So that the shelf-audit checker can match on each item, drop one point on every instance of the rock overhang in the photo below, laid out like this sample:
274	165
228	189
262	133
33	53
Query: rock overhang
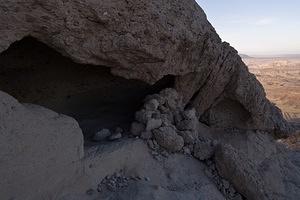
145	40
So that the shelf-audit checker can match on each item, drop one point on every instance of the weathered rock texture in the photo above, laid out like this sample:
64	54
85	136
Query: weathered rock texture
258	166
38	150
147	40
133	39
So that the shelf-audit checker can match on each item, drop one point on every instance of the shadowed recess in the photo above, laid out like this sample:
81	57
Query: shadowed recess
34	73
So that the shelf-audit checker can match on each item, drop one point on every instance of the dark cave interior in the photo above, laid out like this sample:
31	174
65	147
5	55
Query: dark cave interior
34	73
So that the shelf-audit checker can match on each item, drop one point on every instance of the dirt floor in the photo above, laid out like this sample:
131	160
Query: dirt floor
281	80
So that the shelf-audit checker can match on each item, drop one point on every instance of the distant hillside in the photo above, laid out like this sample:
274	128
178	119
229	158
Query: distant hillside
244	56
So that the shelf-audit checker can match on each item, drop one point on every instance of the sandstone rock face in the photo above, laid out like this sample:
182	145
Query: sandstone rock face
148	40
258	166
38	150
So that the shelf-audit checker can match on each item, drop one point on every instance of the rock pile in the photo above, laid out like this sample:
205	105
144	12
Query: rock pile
113	182
118	181
169	128
164	121
106	134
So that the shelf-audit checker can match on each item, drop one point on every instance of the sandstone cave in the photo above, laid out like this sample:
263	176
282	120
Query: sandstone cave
34	73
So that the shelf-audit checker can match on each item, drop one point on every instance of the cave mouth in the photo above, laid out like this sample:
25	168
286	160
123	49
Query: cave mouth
34	73
228	113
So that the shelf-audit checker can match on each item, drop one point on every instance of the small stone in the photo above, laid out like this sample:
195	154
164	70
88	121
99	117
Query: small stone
191	147
187	125
143	116
147	179
209	162
226	184
90	192
232	190
156	115
203	150
153	124
167	119
163	109
118	175
146	135
155	143
119	130
189	137
99	188
115	136
151	105
158	97
186	150
172	98
111	187
137	128
189	114
157	187
215	143
178	117
101	135
151	144
159	158
238	197
154	153
165	154
167	138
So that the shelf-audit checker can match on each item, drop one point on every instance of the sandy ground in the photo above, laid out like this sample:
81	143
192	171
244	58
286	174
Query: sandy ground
281	80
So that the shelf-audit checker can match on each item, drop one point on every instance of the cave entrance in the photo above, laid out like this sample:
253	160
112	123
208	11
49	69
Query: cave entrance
34	73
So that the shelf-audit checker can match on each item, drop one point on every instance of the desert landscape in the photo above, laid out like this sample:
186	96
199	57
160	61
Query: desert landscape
138	99
281	79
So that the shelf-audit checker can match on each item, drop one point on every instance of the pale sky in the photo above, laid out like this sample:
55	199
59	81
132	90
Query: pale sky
257	27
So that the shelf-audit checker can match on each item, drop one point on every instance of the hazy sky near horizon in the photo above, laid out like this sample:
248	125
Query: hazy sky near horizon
257	27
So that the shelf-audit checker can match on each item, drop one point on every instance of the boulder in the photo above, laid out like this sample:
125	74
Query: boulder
137	128
153	124
102	135
258	166
39	150
167	138
151	105
143	116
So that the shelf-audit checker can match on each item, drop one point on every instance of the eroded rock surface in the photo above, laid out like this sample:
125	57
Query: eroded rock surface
144	40
39	150
147	40
258	166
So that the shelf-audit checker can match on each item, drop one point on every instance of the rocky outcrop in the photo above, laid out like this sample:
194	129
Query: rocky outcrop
39	150
258	166
252	161
140	42
148	40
